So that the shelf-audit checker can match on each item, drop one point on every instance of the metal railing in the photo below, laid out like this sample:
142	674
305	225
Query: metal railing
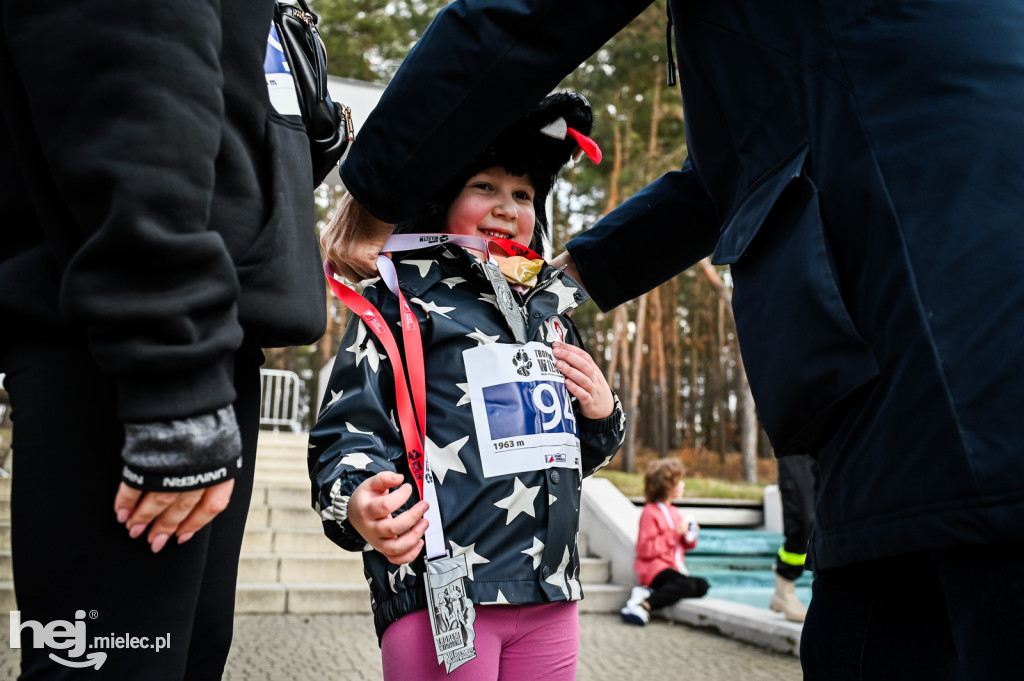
279	400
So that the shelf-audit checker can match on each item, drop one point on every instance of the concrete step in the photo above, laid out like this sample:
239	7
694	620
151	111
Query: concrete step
7	600
286	517
286	541
280	478
5	508
302	598
340	568
603	597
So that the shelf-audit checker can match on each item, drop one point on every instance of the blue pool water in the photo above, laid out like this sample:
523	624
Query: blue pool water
738	565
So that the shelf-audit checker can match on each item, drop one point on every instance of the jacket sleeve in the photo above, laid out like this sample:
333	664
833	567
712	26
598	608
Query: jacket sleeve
473	54
354	438
653	538
600	439
129	103
662	230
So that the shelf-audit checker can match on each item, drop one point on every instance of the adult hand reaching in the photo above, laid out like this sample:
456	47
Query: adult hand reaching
566	260
353	239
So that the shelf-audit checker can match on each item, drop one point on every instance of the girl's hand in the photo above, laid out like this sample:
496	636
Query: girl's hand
370	509
584	380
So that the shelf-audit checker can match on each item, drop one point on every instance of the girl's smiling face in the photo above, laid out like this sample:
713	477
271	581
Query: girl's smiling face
495	204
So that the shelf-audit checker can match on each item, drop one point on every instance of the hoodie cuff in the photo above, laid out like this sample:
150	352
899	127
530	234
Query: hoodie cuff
183	454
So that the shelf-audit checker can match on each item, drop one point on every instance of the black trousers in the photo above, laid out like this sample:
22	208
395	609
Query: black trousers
71	556
798	487
946	615
670	586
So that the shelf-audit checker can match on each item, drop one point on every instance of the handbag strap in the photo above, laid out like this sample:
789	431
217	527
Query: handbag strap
307	10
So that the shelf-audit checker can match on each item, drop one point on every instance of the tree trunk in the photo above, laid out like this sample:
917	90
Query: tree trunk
749	435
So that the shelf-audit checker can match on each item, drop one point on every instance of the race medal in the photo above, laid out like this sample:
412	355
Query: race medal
521	409
514	315
451	612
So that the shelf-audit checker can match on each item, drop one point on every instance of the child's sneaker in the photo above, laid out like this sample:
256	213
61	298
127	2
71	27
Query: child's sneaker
638	595
635	614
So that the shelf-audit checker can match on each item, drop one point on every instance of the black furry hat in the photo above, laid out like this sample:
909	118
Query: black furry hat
538	145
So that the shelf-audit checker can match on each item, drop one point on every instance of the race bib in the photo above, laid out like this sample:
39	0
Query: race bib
280	82
521	409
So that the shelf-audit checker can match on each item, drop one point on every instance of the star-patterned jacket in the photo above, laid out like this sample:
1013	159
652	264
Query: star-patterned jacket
518	532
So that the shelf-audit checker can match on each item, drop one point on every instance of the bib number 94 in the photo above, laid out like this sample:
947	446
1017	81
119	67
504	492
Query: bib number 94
528	408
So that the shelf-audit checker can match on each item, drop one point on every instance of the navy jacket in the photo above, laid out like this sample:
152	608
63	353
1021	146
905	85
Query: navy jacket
859	165
521	551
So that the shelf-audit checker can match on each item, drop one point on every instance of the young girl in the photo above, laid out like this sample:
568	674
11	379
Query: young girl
507	441
661	541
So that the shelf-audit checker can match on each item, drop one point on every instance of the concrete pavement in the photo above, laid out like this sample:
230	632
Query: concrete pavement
344	648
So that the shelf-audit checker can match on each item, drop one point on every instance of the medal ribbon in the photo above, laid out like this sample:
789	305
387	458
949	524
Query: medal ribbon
411	405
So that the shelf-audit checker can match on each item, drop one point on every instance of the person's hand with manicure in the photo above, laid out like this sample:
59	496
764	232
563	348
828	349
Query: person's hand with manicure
169	514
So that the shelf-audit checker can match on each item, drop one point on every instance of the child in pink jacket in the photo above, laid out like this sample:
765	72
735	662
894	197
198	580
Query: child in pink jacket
661	543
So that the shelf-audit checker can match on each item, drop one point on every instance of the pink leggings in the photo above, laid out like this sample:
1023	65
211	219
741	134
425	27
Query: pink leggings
513	642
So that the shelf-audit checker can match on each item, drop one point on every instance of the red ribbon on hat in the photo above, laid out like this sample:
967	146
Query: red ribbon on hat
588	145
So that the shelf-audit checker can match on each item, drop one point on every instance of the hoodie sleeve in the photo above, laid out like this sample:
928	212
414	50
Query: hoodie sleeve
130	114
665	228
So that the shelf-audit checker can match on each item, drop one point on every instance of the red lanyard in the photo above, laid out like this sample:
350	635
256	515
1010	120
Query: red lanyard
411	411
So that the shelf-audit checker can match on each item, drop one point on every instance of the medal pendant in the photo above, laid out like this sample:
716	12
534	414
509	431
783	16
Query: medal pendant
506	302
451	611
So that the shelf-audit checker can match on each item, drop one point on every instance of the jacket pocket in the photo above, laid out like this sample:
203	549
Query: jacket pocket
283	294
804	357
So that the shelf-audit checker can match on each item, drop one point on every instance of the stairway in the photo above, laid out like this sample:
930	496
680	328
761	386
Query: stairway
287	564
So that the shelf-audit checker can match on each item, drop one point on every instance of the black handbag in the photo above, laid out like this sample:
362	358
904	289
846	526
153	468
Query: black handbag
328	123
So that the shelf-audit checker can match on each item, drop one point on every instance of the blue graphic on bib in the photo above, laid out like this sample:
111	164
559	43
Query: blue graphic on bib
528	408
274	61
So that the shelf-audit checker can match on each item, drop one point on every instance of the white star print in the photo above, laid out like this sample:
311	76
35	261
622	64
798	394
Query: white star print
489	298
535	552
482	338
422	265
576	588
500	600
335	396
356	460
520	501
472	557
552	499
566	294
464	387
404	570
429	307
353	429
557	577
370	352
452	282
445	459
